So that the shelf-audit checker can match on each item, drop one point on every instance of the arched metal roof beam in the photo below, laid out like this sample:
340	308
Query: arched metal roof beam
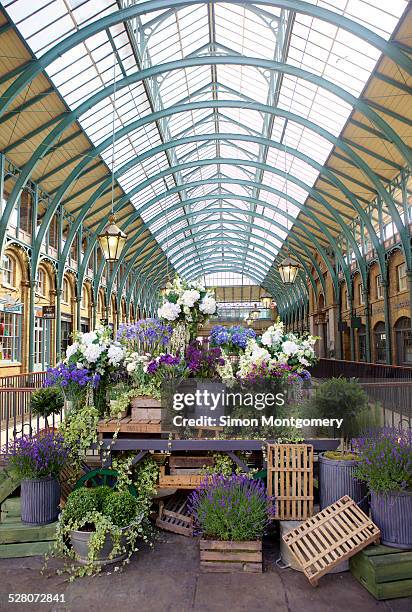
245	224
55	133
37	66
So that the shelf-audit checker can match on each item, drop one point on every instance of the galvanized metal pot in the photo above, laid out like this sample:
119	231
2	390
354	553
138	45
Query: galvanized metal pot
336	479
40	499
392	513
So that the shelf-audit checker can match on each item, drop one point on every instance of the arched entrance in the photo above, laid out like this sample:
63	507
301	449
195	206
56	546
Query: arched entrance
403	341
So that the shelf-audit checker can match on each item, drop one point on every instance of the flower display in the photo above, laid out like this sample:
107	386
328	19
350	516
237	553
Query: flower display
232	339
37	456
203	362
73	379
296	351
144	335
187	302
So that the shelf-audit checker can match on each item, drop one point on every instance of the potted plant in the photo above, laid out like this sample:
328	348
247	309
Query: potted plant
45	402
149	376
38	461
385	465
99	526
231	513
340	398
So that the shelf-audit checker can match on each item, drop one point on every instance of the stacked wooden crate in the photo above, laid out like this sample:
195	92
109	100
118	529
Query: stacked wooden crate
385	572
18	539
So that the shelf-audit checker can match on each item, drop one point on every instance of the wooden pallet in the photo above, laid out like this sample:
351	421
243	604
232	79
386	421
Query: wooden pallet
333	535
174	515
385	572
290	480
127	425
219	556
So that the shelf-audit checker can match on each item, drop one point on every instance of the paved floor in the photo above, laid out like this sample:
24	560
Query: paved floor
166	579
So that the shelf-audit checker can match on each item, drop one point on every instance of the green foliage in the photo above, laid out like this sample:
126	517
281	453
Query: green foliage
338	456
46	401
340	398
79	432
104	512
79	504
120	507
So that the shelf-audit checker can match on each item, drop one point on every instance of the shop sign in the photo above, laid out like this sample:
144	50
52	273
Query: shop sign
49	312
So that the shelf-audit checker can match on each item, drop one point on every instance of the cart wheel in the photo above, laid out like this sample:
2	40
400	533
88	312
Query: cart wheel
101	477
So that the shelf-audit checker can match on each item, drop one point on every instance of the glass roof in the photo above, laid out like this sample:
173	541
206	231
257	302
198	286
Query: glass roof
226	188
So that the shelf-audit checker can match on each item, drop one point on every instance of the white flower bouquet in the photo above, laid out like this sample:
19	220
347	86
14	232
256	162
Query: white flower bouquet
289	348
187	302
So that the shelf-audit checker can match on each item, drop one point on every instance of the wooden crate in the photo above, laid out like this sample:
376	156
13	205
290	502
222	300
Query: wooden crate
218	556
290	480
178	481
174	515
333	535
189	465
385	572
130	426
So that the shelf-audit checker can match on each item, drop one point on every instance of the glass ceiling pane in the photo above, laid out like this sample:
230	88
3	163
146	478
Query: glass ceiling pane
210	29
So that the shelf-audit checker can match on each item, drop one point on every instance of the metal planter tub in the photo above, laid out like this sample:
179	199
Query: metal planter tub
40	499
392	513
336	479
80	544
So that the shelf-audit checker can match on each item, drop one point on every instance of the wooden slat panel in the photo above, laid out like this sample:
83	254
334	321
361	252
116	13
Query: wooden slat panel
290	480
333	535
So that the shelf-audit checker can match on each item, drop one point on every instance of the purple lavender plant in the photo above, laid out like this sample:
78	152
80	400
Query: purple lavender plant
231	507
38	456
385	459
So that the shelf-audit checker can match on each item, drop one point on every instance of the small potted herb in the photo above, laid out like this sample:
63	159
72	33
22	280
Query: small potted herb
232	513
385	464
38	461
46	402
99	526
119	401
340	398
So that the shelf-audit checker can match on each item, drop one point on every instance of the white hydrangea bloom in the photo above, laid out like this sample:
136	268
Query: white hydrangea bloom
89	337
189	297
169	311
93	352
72	349
208	305
289	347
131	367
115	354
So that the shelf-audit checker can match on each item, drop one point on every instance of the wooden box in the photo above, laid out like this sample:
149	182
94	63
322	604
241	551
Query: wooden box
146	409
219	556
385	572
174	515
179	481
290	480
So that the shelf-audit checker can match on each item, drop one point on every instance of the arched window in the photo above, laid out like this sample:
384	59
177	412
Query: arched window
403	337
83	298
66	291
9	270
379	335
41	282
362	343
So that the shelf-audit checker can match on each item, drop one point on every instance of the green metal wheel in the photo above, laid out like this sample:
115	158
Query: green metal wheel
101	477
